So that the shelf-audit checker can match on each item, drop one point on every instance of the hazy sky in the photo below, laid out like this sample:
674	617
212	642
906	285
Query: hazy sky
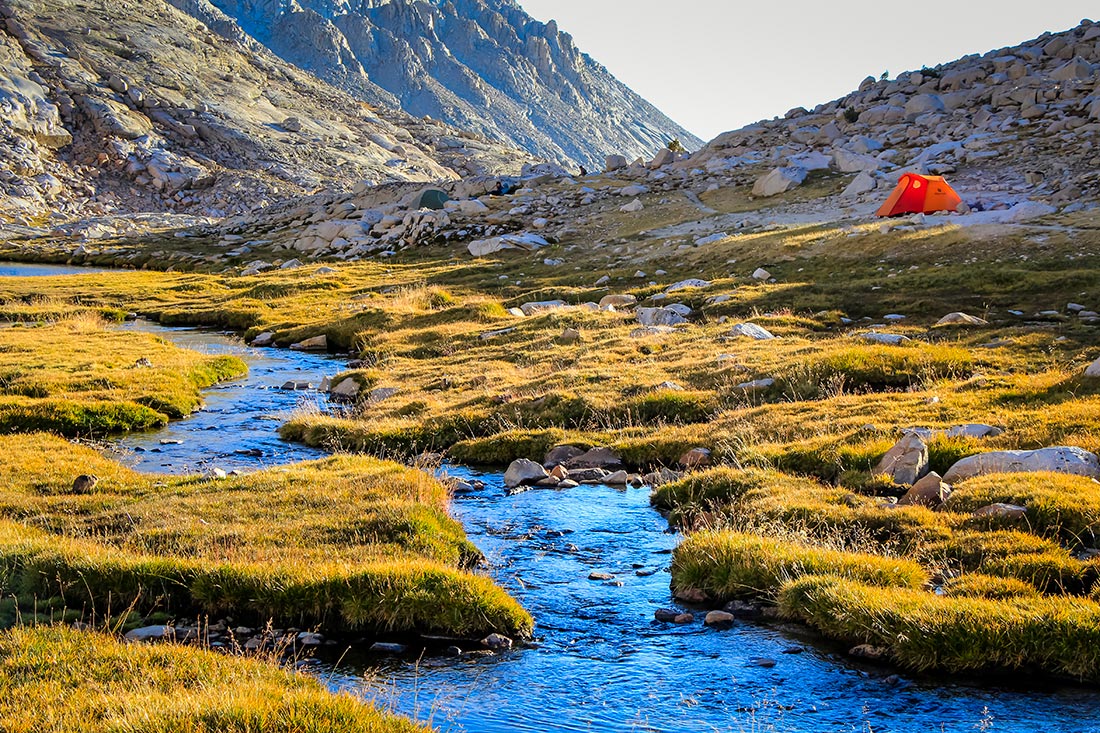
715	65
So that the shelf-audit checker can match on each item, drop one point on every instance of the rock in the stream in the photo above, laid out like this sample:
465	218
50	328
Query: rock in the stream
523	471
383	647
316	343
267	338
560	454
719	620
906	462
496	642
604	458
1059	459
149	633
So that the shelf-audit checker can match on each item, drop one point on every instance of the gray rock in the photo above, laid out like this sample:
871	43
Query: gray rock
523	471
778	181
659	317
316	343
561	454
1059	459
604	458
961	319
149	633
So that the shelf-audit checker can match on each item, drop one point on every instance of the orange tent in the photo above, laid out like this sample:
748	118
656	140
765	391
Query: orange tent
916	194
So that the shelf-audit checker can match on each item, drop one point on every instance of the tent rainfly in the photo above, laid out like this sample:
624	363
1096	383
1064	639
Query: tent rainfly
917	194
431	198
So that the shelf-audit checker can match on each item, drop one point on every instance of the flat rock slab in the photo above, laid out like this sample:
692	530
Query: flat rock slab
1059	459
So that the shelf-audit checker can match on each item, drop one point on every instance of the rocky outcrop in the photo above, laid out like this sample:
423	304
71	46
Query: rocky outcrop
482	65
1013	123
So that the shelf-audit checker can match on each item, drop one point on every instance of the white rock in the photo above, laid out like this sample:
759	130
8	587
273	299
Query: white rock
906	462
863	183
633	206
633	191
761	274
688	284
524	471
961	319
893	339
1060	459
751	330
659	317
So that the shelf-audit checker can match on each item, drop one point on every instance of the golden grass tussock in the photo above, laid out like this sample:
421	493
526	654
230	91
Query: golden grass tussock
56	679
1058	505
78	377
727	565
957	633
347	542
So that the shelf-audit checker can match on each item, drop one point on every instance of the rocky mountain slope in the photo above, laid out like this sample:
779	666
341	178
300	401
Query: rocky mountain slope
1013	122
115	107
483	65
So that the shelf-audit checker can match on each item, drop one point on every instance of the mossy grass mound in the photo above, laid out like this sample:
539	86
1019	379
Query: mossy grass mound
345	543
924	631
56	679
78	377
727	565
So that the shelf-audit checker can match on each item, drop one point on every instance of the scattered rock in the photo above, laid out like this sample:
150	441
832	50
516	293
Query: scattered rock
719	620
960	319
929	491
695	458
1002	511
778	181
496	642
316	343
906	462
523	471
751	330
1059	459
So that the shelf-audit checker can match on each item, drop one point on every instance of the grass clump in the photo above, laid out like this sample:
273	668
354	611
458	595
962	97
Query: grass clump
871	368
725	565
924	631
77	377
1058	505
61	680
977	585
346	543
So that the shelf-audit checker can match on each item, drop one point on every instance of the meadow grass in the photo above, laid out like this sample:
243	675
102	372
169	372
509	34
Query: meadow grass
726	565
80	377
957	633
345	543
794	460
57	679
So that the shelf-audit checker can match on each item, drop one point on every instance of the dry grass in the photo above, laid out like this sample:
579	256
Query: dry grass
78	377
54	679
348	543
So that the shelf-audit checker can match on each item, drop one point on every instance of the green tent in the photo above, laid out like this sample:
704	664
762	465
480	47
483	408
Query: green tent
431	198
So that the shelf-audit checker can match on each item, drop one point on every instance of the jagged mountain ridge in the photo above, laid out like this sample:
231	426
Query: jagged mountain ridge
113	107
483	65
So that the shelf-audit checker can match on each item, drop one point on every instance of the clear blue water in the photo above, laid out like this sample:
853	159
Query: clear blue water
20	269
600	663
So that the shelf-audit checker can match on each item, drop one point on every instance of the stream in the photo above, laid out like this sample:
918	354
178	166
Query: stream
599	662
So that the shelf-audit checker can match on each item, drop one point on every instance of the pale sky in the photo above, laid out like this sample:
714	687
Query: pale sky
716	65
